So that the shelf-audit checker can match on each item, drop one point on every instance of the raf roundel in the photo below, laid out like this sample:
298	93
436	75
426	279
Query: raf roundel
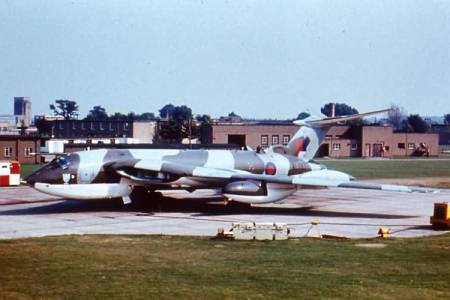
301	144
270	169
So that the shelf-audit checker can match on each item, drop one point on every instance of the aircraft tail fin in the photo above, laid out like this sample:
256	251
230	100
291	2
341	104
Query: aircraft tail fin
313	130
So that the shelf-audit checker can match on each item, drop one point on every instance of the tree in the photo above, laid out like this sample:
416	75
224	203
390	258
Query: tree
447	119
417	123
118	116
97	113
166	111
232	117
302	116
341	109
177	123
203	128
146	116
181	113
203	119
131	116
396	116
66	108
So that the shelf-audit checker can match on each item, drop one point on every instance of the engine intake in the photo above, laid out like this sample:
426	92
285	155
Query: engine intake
257	192
247	188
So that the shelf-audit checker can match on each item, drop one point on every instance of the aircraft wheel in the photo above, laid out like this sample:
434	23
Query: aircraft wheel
143	198
156	200
140	197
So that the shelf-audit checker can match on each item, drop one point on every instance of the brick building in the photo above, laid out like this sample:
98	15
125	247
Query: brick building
250	133
144	131
340	141
377	141
25	149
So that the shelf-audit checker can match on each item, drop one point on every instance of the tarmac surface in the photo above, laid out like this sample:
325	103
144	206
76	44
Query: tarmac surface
352	213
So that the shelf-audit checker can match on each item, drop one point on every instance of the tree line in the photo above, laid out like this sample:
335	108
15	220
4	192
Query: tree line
180	122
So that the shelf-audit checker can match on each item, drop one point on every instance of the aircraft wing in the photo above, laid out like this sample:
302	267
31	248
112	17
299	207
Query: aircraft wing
342	183
124	168
325	178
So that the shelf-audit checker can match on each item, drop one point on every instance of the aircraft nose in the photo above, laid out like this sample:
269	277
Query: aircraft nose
45	174
31	178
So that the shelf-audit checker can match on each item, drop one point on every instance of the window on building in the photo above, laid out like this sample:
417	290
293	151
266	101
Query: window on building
264	140
8	151
401	145
61	125
101	126
28	151
74	125
286	139
111	128
92	125
354	146
125	126
336	147
275	139
411	146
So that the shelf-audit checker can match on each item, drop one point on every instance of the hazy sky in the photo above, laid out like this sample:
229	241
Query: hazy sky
263	59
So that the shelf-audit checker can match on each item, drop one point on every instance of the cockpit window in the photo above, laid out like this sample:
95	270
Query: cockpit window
63	162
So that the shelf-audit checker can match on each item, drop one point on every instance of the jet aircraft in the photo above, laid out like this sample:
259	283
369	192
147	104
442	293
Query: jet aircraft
239	175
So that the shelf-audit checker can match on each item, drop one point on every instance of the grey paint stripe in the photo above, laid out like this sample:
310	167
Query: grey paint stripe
190	157
248	161
178	169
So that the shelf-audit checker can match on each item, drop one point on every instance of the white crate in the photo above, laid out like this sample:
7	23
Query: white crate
260	231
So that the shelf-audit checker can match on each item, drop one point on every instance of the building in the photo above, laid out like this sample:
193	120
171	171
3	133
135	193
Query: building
25	149
143	131
444	133
50	148
7	122
250	133
340	141
377	141
22	111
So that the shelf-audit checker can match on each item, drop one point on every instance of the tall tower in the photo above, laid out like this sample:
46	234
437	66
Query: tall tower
22	110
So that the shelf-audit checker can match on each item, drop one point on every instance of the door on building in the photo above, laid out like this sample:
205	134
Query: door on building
367	150
237	139
324	150
377	150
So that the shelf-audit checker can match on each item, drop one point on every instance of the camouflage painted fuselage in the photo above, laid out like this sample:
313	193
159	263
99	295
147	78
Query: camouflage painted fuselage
100	166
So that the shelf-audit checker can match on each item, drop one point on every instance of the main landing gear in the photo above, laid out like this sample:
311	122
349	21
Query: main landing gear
144	198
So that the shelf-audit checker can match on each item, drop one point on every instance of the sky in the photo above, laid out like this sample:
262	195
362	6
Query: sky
259	59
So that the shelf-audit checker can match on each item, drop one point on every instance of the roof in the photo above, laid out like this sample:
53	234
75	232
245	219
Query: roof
19	137
255	122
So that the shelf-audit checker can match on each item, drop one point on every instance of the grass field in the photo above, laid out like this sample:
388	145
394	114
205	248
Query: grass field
401	168
145	267
27	169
